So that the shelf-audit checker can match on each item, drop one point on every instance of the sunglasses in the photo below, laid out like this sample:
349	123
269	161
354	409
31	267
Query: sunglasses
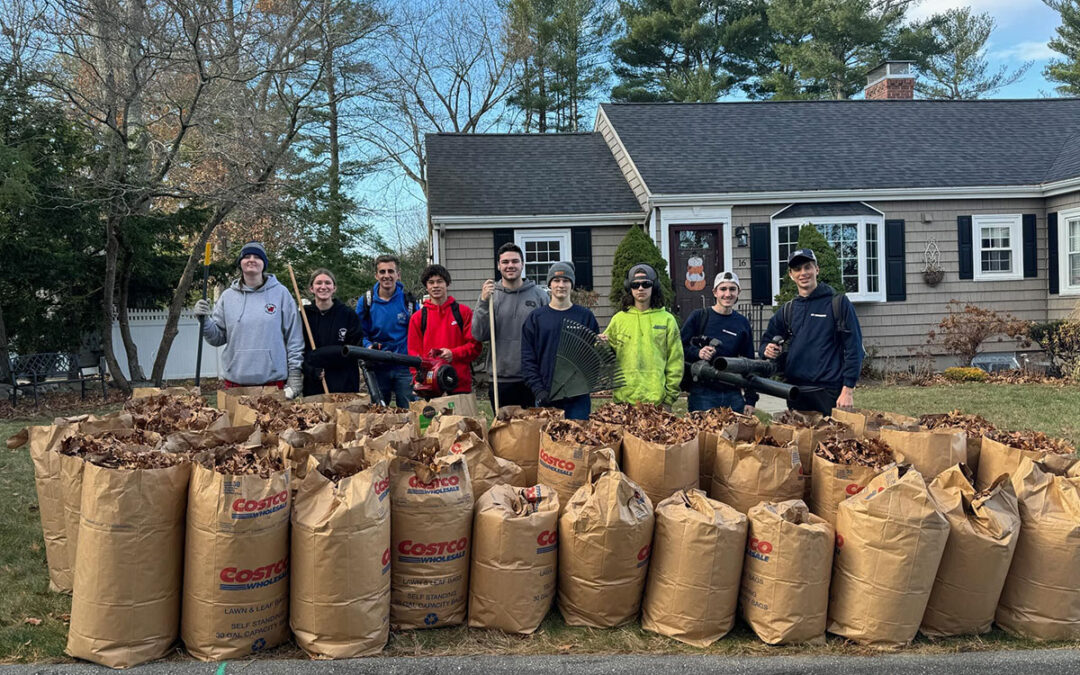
640	284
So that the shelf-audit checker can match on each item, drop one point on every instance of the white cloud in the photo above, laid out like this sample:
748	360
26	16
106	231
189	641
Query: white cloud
1024	51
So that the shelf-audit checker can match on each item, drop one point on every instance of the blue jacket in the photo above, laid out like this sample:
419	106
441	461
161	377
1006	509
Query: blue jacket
736	339
818	354
386	323
540	342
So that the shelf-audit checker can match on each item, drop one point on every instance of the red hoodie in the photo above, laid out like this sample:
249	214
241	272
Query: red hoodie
443	332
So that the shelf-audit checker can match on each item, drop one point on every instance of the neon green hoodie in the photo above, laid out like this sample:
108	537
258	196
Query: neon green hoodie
650	352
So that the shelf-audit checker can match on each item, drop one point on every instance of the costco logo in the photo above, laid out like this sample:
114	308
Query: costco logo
382	488
758	548
643	555
386	561
436	486
437	552
563	466
237	579
853	489
253	508
547	541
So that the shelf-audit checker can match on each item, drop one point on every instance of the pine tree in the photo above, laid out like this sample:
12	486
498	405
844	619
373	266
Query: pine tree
959	71
636	247
1067	43
828	262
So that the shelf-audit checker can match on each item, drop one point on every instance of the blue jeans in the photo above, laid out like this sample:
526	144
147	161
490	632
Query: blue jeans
576	408
707	399
395	381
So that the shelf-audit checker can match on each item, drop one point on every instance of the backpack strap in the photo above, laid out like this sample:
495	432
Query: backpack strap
703	320
410	303
788	311
839	315
456	311
367	306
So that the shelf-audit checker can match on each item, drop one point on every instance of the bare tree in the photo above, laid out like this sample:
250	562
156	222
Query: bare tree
193	104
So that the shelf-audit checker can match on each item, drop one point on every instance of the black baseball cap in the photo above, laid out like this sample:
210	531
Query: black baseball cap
801	256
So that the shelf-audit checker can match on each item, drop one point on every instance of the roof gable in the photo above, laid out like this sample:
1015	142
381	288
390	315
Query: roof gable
716	148
524	174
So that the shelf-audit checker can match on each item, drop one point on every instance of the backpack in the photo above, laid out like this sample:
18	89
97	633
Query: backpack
839	317
410	304
454	309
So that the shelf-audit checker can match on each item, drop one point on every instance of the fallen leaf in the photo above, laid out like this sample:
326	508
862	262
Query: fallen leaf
35	547
32	621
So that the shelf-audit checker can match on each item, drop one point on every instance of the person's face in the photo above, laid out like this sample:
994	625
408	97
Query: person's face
510	265
323	288
251	264
804	275
560	288
436	288
726	293
387	275
641	289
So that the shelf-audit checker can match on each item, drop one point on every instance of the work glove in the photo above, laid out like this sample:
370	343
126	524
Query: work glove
543	398
294	385
202	308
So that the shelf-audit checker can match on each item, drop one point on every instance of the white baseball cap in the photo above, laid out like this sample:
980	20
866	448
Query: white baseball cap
726	275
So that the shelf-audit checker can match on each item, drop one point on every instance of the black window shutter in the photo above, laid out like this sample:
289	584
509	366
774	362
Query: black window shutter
1031	251
581	256
895	257
1052	252
964	247
500	237
760	264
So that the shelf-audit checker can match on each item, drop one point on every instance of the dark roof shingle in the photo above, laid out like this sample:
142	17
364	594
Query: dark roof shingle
821	145
524	174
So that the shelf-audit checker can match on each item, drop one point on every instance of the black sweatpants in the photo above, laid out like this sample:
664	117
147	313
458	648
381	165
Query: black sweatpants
821	399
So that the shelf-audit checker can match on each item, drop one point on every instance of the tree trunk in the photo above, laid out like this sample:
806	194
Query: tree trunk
5	366
112	251
334	178
134	368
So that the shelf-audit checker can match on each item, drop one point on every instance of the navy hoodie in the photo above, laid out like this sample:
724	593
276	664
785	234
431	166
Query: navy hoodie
818	354
736	339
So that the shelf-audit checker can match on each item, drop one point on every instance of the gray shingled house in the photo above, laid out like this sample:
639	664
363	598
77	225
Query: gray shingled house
990	190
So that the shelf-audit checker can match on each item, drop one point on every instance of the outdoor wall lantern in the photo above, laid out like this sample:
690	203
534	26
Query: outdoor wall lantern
740	237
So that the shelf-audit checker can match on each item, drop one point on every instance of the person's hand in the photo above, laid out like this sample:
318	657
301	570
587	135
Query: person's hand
772	350
604	337
543	398
202	308
707	353
444	354
294	385
487	289
748	410
846	399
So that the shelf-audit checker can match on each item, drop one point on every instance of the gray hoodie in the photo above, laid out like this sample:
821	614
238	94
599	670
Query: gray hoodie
261	331
511	309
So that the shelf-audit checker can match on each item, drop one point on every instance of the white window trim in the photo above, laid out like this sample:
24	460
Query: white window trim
562	234
861	222
1064	288
673	216
1016	238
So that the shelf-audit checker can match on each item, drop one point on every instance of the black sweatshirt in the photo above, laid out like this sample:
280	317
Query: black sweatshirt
335	327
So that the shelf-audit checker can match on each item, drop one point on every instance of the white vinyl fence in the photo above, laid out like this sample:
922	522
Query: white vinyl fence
147	325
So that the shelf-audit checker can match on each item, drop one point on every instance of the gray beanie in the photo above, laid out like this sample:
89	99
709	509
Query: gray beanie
561	269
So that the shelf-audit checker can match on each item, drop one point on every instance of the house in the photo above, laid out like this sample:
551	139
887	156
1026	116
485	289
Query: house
988	190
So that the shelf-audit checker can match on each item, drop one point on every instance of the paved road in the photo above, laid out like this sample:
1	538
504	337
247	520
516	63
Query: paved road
1042	662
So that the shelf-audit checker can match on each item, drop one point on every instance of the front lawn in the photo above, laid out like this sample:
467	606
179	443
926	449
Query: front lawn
26	599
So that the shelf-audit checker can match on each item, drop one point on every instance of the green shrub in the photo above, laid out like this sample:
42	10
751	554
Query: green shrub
636	247
811	238
965	374
1061	342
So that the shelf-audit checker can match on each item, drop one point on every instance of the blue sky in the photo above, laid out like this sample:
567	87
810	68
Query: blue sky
1023	29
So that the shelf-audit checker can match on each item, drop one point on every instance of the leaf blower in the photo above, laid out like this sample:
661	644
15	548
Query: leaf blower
431	375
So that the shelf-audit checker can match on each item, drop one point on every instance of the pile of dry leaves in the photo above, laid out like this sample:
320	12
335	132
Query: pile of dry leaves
647	421
274	415
711	420
1032	441
974	425
241	460
127	449
166	413
589	433
871	452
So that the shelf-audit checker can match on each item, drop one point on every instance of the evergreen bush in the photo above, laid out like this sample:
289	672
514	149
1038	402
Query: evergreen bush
811	238
636	247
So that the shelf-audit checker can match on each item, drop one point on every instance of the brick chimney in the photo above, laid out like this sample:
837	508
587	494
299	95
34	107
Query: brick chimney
891	81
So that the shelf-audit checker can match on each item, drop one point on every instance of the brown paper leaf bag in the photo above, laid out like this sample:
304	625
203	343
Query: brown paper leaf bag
786	572
485	469
514	558
695	567
125	609
889	542
564	466
661	470
228	399
983	531
930	452
605	536
748	473
337	610
515	435
1041	597
832	483
868	423
431	523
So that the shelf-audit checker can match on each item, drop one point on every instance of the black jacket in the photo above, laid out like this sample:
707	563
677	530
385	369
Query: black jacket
333	328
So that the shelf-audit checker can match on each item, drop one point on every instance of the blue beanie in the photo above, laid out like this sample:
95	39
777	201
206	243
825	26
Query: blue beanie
254	247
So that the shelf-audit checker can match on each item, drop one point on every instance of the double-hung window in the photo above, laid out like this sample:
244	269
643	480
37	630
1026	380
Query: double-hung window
542	247
1069	252
857	241
998	248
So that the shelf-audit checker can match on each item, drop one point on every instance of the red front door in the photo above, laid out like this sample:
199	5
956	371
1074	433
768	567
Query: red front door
697	257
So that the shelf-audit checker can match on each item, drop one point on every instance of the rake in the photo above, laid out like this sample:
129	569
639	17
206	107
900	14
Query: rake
583	364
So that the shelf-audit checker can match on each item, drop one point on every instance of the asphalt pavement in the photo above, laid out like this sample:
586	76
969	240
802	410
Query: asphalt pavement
1042	662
